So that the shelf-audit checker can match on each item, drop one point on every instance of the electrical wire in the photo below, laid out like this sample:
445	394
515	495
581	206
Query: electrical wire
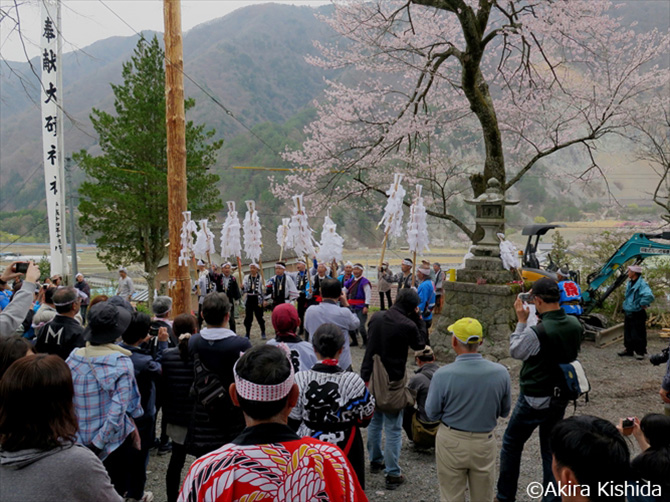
214	99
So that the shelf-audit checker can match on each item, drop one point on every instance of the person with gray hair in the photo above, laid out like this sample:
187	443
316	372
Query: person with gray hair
465	445
85	290
63	333
126	288
162	308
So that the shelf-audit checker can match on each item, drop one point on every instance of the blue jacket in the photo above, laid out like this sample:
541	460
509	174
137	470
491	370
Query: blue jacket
638	295
148	375
570	292
426	292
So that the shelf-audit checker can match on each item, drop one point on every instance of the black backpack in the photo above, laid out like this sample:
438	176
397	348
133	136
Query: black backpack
208	389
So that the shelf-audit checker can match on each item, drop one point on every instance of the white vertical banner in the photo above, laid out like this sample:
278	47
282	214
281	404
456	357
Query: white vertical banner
52	132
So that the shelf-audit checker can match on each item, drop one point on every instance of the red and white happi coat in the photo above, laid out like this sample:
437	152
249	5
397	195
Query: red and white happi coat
302	470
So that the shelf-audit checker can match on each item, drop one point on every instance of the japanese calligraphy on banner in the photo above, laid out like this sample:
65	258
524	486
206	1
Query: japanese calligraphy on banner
52	134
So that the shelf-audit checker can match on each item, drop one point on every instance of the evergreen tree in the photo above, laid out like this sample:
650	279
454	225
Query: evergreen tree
124	201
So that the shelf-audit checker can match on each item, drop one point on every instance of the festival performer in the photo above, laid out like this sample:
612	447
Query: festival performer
317	278
228	284
204	286
404	277
347	274
384	278
280	288
253	305
268	461
426	292
302	283
359	296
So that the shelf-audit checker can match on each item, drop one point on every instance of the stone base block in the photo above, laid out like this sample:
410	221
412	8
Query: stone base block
492	305
485	267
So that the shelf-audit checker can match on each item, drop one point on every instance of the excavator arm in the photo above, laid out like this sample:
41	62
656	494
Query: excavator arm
637	248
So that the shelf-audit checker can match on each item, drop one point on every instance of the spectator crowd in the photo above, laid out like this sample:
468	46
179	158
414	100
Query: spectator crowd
89	386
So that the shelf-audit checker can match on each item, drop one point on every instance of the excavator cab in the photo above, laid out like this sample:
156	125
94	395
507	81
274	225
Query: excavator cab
530	264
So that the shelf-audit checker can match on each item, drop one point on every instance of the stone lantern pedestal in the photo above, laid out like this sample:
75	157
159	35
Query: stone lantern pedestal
481	289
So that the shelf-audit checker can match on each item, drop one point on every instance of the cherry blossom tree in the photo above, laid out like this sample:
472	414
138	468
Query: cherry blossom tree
455	92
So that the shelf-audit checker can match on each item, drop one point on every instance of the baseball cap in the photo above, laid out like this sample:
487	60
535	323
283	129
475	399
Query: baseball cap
426	352
467	330
546	288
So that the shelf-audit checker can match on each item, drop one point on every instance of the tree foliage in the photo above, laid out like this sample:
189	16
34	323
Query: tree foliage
124	202
460	91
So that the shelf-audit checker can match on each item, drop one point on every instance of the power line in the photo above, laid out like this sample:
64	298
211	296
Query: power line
18	191
26	233
207	93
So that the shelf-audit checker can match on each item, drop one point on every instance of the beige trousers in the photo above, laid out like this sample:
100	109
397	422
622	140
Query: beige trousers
465	459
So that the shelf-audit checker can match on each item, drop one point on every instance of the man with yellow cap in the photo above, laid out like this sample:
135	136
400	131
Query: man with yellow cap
467	397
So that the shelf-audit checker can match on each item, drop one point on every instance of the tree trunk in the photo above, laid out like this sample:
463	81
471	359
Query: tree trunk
151	284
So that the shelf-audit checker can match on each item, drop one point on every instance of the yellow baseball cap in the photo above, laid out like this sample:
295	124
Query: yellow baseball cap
467	330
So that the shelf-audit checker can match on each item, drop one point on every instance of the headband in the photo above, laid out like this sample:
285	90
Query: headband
359	266
280	265
302	261
424	271
254	265
66	303
407	261
264	393
348	264
227	264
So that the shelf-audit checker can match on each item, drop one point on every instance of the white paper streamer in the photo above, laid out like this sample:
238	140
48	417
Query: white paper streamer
282	234
392	219
188	228
330	247
417	228
252	232
508	253
299	231
204	243
231	245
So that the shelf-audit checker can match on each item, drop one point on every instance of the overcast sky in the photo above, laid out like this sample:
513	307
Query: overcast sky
85	21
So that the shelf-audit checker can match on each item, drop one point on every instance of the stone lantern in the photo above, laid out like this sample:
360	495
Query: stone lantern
486	263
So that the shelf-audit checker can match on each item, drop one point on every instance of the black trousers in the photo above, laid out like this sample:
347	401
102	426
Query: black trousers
252	308
635	331
231	322
173	475
126	469
302	307
388	298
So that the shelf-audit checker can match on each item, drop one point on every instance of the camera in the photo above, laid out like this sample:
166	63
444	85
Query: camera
526	297
153	330
627	423
661	357
21	267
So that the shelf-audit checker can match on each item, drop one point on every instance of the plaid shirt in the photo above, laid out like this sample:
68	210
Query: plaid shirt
105	397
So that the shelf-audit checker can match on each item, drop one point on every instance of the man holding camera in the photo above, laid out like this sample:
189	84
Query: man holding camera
542	348
63	333
14	314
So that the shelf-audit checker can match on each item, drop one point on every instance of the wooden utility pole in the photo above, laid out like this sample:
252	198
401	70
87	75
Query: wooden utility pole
176	153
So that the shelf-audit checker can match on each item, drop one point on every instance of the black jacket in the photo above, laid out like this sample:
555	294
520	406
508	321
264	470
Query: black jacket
209	433
390	334
60	336
176	385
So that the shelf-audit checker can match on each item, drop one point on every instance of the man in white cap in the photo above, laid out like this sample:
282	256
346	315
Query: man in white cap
83	287
280	288
404	277
320	276
253	305
347	273
227	284
359	296
126	288
302	283
204	286
637	300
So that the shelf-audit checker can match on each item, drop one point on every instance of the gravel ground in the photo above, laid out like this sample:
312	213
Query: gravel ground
621	387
